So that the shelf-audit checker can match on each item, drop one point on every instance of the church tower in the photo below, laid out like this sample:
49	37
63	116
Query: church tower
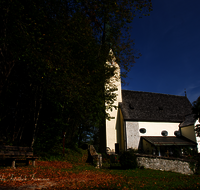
114	126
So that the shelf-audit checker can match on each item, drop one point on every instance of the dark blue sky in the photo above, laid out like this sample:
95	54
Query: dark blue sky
169	41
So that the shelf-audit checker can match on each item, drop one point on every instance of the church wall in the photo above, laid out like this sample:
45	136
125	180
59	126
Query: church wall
152	129
115	130
111	131
132	133
188	132
147	147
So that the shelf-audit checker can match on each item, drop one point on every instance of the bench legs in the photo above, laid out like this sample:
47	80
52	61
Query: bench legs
13	163
33	161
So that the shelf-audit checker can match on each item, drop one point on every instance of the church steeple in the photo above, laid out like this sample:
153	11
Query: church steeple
113	126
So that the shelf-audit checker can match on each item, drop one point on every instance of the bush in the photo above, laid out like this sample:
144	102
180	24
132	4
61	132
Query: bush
114	159
128	160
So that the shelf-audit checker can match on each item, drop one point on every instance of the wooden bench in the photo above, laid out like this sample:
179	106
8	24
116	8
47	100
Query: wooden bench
12	154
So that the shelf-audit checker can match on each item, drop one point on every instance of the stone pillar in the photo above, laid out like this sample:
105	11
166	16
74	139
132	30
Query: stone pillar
96	158
99	161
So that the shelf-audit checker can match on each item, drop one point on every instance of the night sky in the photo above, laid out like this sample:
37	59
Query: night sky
169	41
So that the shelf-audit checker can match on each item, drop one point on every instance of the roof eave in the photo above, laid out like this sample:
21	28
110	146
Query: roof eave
147	120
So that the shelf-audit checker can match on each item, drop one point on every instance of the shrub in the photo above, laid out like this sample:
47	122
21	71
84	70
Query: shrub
128	160
114	158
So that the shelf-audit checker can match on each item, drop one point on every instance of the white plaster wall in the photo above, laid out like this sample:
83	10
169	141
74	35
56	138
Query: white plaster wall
111	132
155	128
152	129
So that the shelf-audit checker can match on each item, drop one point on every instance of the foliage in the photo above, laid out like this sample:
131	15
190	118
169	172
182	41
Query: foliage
105	161
114	158
192	166
54	71
196	112
110	161
74	155
128	160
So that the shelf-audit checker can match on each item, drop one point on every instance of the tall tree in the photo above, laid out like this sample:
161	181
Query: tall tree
53	55
196	112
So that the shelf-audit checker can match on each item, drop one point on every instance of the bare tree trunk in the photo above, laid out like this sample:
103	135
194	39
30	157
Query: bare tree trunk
36	117
22	130
15	123
6	62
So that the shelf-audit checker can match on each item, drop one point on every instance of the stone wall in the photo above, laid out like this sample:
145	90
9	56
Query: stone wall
183	166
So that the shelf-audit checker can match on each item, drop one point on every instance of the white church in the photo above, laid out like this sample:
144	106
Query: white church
152	123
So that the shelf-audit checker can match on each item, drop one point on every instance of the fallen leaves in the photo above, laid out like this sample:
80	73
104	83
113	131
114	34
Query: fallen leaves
54	164
63	175
50	174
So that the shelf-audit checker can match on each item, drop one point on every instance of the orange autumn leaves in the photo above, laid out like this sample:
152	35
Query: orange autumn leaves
54	164
56	174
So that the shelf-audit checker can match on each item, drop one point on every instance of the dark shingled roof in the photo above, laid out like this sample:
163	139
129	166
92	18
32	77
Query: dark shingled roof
189	120
148	106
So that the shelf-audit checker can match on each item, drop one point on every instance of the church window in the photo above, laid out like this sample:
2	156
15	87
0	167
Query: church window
164	133
143	130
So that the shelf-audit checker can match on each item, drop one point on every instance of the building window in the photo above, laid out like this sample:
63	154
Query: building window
177	133
143	130
164	133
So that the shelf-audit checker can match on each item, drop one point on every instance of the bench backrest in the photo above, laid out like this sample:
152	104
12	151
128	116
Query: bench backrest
16	151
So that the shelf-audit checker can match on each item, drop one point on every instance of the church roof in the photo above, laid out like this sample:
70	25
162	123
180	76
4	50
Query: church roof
168	141
148	106
189	120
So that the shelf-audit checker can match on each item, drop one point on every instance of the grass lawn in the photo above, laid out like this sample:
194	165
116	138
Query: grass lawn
64	175
154	179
